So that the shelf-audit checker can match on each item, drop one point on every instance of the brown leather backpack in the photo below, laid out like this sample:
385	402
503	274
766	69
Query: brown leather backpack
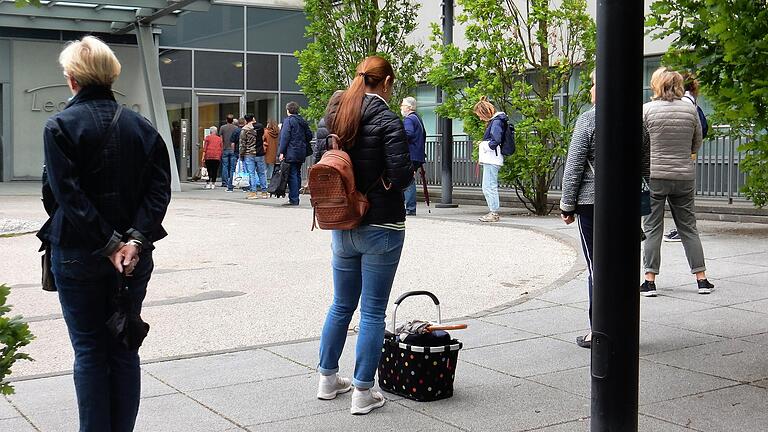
336	202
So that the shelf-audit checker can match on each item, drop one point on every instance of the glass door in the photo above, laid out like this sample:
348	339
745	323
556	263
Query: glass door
212	110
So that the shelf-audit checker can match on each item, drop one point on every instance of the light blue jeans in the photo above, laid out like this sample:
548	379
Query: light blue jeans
364	263
270	171
491	186
256	166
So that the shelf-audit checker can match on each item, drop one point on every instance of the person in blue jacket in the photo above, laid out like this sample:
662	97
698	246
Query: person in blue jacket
496	123
295	137
417	138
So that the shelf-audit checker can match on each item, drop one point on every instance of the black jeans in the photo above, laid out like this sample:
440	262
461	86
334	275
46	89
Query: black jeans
107	375
212	165
586	215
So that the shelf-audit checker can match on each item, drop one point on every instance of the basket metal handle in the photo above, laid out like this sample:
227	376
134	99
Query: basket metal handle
412	294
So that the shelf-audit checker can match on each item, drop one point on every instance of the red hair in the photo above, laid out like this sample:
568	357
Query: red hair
371	72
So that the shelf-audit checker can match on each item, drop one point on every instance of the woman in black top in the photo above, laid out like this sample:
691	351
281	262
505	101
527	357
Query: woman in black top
365	259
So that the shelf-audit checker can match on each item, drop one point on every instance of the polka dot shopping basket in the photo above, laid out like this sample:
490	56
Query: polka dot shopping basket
421	373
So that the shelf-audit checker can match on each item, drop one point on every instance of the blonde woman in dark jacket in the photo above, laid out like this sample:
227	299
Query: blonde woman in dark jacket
675	134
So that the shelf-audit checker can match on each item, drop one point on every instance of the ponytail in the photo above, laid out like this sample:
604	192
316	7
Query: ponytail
346	121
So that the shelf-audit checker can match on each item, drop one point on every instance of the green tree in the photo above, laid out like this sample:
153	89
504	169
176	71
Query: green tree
14	334
726	43
344	32
22	3
520	55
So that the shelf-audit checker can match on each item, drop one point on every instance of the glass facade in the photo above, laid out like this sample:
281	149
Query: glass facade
176	68
274	30
219	70
221	27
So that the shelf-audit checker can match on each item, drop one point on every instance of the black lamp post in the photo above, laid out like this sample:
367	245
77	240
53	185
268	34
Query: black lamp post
446	142
616	304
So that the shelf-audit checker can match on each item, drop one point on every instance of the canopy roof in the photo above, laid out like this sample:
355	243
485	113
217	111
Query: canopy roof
113	16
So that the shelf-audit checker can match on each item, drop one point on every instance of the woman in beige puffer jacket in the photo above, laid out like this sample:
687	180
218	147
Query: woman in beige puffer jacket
675	134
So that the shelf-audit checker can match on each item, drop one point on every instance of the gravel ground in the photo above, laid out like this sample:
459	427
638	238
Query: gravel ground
232	274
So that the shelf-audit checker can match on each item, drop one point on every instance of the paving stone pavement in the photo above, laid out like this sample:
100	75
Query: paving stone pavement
703	363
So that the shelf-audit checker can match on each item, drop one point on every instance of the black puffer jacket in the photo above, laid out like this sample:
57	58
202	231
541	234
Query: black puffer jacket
381	149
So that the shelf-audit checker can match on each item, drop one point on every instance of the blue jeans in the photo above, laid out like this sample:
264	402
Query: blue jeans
294	183
364	263
228	163
106	374
586	218
410	197
256	171
491	186
270	172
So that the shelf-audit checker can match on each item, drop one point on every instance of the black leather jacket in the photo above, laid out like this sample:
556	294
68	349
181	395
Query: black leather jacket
380	151
101	192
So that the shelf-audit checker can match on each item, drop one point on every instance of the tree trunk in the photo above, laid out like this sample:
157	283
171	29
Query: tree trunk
540	198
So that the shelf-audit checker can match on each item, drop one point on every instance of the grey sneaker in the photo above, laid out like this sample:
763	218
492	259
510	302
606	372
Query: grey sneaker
490	217
365	401
331	386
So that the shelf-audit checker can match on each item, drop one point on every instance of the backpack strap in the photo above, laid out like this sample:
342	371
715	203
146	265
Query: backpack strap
108	134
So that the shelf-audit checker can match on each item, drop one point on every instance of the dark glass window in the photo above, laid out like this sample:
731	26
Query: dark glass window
262	72
218	70
30	33
178	103
298	98
176	68
263	106
221	27
289	73
274	30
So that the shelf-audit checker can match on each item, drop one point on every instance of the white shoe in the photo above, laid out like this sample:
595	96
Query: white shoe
332	385
490	217
365	401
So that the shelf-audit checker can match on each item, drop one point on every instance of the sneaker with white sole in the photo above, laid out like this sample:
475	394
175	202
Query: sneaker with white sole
705	286
490	217
673	236
648	289
365	401
331	386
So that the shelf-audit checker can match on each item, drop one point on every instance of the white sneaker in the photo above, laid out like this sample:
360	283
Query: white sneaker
490	217
332	385
365	401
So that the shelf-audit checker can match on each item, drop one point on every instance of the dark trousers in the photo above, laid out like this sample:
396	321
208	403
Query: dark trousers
294	182
106	374
586	215
212	165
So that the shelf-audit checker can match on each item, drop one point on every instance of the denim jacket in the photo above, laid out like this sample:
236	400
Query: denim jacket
103	191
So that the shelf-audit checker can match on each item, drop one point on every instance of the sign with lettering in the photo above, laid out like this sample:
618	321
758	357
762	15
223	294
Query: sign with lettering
42	99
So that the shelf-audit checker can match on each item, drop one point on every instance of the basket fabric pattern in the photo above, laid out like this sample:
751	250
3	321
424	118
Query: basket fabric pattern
419	373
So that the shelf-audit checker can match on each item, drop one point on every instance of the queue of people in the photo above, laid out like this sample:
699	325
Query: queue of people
109	222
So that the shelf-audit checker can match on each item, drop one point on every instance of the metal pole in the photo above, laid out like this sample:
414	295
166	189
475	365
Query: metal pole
616	305
155	98
446	183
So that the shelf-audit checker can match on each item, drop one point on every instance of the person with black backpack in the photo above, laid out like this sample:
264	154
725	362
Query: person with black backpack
417	138
498	141
365	258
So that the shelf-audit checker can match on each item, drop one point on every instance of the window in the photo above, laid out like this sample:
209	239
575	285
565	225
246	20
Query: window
262	72
219	70
221	27
176	68
289	73
298	98
178	103
273	30
263	106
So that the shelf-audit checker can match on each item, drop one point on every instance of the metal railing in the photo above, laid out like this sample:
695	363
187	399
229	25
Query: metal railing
717	166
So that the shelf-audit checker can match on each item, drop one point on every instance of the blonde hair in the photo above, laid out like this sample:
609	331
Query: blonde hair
90	61
484	109
667	85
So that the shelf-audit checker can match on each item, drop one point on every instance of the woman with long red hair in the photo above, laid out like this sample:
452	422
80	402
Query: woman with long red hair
365	259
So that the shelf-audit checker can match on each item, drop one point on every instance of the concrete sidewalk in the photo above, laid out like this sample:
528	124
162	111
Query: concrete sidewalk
702	362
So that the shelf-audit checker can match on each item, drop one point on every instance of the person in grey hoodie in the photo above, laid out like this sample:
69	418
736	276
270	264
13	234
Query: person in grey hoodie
676	133
578	197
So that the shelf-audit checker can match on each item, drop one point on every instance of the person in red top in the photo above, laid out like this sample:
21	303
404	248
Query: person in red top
212	148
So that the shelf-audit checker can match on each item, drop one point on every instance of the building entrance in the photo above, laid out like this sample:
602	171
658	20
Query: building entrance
212	110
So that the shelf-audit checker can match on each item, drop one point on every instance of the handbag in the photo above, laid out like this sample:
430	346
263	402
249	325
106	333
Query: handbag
241	179
204	174
487	155
125	324
45	263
